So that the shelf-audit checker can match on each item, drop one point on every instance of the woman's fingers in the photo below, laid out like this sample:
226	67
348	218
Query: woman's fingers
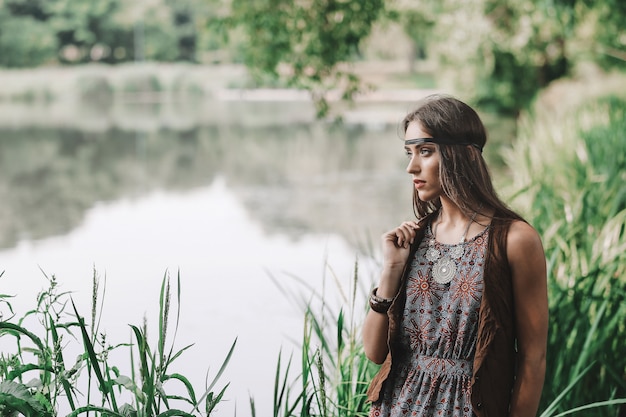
403	235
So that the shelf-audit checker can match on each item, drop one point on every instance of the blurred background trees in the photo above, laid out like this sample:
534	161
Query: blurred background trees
497	54
305	43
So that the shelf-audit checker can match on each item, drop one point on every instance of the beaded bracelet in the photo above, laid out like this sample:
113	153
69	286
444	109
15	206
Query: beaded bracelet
379	304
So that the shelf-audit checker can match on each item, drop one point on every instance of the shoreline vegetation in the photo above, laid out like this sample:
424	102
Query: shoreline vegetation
182	94
568	168
394	82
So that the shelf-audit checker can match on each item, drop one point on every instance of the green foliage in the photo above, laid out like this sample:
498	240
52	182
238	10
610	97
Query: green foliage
571	172
83	23
185	32
335	372
42	359
306	44
16	399
35	32
497	54
418	24
527	50
533	42
159	44
25	42
607	42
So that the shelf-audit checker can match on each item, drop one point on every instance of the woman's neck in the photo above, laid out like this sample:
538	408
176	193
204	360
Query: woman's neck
452	223
451	215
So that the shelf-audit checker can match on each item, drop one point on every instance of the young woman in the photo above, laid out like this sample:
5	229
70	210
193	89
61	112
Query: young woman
459	318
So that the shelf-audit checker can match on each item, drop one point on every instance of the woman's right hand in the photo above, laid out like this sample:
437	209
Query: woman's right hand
396	248
397	244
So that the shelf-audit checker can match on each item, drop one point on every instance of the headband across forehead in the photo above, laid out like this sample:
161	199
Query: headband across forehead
419	141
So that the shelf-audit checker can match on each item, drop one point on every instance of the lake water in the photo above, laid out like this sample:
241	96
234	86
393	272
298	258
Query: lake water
254	204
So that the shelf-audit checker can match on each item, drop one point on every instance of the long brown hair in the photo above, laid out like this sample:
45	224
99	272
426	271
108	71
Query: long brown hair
463	172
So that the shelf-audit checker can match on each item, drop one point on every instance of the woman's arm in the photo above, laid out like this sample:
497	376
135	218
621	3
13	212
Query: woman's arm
530	292
396	247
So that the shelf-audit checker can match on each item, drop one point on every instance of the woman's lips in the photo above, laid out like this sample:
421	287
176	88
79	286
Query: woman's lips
419	183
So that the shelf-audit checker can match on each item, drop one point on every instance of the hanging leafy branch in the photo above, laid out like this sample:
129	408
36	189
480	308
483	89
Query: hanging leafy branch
305	44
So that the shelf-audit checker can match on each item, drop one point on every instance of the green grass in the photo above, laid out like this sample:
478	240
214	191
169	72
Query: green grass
570	175
37	378
334	373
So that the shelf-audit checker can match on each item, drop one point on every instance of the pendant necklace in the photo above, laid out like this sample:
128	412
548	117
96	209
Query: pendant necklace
444	268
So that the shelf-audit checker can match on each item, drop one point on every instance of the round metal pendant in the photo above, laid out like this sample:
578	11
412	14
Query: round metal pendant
444	270
432	254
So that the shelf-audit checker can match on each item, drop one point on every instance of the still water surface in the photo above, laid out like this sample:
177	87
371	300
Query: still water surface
244	202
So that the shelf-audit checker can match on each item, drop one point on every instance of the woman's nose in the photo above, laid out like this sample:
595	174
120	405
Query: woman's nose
412	166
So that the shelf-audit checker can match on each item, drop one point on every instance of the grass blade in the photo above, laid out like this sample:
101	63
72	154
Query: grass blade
93	358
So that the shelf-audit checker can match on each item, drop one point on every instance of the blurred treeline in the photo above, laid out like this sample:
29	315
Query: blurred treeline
496	54
41	32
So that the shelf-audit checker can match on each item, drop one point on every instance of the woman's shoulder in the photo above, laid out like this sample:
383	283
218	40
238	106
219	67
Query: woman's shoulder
521	232
522	240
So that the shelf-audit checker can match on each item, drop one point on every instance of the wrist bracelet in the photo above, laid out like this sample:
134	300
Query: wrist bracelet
379	304
378	299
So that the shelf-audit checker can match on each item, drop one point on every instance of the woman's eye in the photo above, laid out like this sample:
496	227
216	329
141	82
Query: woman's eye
409	154
425	151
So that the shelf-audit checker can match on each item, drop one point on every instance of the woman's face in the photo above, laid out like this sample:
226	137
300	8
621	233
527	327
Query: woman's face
423	165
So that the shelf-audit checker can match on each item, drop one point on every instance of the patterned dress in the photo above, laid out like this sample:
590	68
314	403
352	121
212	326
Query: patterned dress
432	367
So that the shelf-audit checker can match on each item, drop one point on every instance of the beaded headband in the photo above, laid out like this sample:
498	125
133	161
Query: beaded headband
441	142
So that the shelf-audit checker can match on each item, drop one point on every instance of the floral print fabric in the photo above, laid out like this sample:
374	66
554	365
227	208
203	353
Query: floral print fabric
432	369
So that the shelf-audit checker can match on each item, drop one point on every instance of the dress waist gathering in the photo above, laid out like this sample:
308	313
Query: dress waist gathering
444	366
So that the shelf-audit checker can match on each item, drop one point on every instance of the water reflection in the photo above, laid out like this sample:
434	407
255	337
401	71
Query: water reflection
295	178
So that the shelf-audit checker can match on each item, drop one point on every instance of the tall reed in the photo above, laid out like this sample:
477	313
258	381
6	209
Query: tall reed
569	175
334	373
37	380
